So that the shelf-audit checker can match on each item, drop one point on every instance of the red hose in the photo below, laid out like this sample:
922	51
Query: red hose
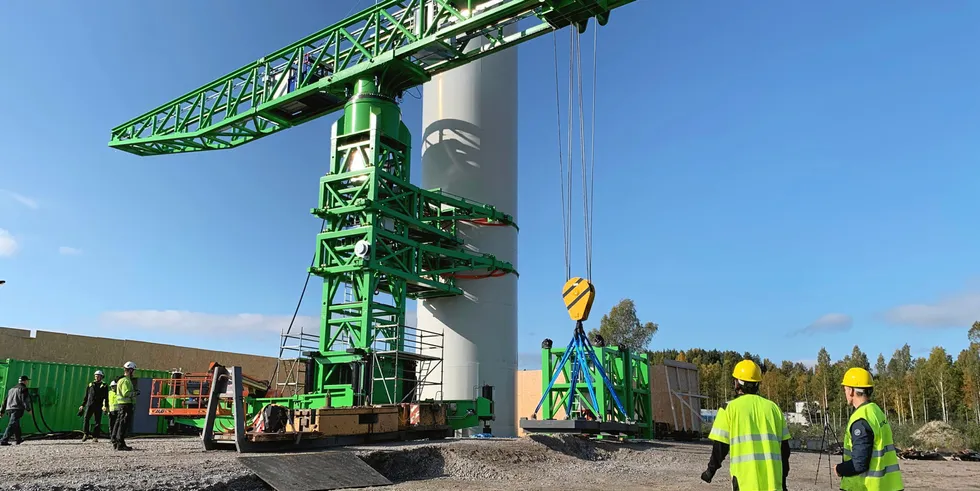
486	223
493	274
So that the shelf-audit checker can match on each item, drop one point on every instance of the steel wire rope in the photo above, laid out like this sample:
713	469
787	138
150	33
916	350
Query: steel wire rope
595	71
571	94
587	160
561	165
583	156
586	147
299	303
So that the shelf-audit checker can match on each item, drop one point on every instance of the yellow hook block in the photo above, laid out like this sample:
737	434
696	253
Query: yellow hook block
578	295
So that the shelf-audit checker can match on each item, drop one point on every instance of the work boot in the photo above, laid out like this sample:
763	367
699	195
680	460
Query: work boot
5	444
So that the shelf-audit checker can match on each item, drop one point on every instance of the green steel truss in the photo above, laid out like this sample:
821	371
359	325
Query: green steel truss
629	374
385	241
401	43
390	241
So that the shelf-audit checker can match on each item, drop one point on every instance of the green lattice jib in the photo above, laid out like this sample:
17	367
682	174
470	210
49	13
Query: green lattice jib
389	240
407	42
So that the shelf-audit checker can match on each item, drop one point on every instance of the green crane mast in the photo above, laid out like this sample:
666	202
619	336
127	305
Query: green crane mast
388	239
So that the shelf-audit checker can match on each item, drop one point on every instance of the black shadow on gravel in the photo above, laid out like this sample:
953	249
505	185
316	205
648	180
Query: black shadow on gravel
250	482
408	465
585	449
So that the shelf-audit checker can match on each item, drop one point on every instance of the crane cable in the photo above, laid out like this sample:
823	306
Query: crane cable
561	168
575	85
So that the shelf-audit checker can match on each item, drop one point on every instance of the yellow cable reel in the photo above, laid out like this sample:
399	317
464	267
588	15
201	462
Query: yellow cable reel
578	295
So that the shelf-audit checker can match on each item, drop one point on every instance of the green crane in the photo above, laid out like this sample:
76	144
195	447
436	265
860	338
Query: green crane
385	238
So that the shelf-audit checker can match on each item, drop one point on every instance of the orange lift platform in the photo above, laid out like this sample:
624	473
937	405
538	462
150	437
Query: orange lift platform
186	395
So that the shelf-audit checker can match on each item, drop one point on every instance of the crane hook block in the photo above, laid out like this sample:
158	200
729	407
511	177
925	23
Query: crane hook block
578	295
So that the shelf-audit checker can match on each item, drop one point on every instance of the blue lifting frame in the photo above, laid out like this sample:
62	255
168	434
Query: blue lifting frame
583	350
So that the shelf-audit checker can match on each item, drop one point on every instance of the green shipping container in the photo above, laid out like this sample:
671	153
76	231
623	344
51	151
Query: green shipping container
57	390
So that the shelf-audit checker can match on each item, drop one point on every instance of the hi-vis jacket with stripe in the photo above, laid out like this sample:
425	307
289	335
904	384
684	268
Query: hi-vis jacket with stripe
883	473
754	429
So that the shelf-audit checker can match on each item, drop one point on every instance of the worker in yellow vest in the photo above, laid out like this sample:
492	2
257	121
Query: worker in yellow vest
753	429
125	401
113	407
870	462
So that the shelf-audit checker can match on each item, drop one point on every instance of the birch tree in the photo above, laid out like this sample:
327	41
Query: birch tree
883	384
973	361
820	380
938	371
969	363
922	386
899	371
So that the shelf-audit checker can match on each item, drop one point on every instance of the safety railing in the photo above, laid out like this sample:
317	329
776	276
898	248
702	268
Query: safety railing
182	395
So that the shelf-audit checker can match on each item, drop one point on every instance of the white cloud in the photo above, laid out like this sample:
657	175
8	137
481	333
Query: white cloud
226	324
203	323
953	311
8	244
832	322
69	251
24	200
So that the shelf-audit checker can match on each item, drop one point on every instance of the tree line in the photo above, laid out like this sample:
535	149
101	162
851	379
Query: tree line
910	389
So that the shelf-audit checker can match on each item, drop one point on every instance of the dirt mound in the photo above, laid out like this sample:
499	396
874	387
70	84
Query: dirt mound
482	460
939	435
572	446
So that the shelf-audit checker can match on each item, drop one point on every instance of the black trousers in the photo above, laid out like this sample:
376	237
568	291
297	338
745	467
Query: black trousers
123	417
13	426
97	413
113	416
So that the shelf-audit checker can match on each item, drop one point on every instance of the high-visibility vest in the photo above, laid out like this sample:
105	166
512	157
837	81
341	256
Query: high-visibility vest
125	394
883	473
112	400
754	429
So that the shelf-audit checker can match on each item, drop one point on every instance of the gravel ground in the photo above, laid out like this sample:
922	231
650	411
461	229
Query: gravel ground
537	463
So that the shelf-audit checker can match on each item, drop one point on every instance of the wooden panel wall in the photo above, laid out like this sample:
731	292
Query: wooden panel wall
89	350
671	386
528	395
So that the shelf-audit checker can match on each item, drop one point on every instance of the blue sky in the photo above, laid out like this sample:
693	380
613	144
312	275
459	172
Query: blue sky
770	176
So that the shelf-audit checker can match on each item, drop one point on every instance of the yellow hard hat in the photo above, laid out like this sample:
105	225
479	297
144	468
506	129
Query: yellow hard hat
858	377
747	371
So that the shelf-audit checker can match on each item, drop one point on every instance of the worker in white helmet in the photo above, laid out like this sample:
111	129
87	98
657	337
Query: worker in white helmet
125	401
95	403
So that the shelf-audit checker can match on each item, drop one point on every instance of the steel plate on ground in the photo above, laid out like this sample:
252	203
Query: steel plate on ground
314	471
576	426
